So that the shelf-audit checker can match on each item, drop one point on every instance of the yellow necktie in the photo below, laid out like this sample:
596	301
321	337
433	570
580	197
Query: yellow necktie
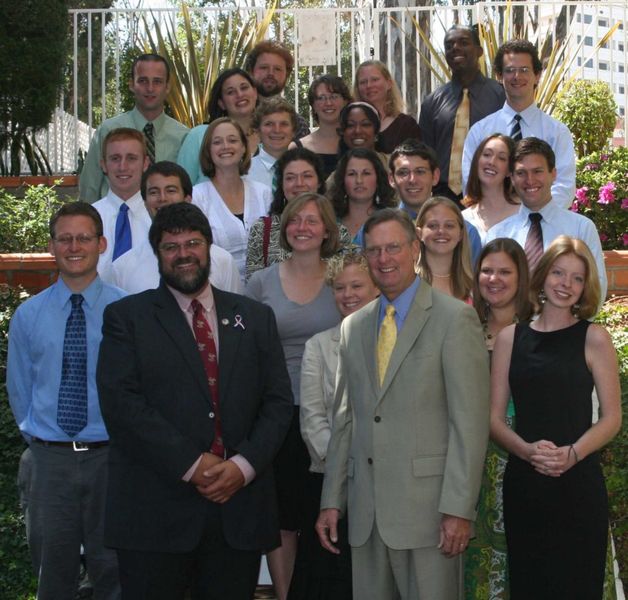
386	341
461	128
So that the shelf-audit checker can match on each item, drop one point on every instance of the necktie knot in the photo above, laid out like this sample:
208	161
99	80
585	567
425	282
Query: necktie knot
149	128
535	217
516	133
124	208
197	308
76	300
518	118
390	310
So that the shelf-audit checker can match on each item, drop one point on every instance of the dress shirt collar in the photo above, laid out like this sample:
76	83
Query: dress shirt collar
90	294
135	202
402	303
474	87
550	211
267	160
206	298
527	115
140	120
411	212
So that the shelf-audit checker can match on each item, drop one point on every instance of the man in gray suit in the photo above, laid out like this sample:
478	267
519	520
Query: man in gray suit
410	427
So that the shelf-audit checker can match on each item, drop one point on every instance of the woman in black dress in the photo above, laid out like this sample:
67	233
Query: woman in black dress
555	506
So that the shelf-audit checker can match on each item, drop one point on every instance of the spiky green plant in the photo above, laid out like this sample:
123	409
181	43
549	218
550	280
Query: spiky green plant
195	61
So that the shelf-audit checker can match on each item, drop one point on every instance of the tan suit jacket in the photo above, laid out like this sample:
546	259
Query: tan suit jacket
406	452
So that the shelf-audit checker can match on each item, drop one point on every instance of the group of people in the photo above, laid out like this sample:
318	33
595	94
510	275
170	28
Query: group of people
266	340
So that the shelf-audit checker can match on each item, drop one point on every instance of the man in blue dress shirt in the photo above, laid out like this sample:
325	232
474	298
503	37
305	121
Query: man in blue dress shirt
54	339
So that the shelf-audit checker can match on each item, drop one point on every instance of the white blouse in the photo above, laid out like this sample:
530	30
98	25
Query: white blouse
229	232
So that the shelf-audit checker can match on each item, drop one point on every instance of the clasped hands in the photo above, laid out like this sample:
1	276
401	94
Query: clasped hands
548	459
217	479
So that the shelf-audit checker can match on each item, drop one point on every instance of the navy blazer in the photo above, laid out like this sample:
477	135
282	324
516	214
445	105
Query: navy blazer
156	404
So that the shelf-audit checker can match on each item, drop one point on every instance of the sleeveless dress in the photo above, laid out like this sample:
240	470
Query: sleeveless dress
556	528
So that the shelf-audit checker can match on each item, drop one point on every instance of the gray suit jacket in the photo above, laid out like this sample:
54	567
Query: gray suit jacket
408	451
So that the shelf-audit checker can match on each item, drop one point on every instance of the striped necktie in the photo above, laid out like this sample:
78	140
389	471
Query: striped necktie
534	241
515	132
149	135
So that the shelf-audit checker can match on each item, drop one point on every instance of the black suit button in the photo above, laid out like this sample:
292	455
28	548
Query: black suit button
369	461
378	419
211	415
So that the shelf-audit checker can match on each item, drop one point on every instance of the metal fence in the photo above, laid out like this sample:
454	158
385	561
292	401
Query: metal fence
101	40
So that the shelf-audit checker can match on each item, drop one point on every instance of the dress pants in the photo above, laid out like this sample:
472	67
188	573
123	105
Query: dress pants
211	571
381	573
63	496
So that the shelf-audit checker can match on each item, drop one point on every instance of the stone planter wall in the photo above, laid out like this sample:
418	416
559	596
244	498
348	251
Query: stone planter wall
616	262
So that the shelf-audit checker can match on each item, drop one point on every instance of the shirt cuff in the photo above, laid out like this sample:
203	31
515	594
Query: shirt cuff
188	474
245	466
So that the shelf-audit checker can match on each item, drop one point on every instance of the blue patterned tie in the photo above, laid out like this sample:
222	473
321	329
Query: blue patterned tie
72	407
515	133
122	242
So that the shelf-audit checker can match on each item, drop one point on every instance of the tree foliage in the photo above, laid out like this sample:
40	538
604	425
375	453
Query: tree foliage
32	56
589	110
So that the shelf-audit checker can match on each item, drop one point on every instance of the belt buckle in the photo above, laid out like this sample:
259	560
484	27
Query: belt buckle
80	446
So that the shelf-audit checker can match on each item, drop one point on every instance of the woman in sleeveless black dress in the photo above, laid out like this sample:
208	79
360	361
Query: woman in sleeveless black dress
555	506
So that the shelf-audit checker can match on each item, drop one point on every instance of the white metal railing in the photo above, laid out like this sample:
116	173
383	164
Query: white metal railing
100	38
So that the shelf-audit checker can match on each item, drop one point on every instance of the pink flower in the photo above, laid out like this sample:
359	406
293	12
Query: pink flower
604	157
624	204
574	206
581	196
591	167
603	237
606	195
624	239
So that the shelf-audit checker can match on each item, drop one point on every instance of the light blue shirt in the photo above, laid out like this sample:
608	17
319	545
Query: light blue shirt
534	123
475	242
262	168
556	221
402	304
36	336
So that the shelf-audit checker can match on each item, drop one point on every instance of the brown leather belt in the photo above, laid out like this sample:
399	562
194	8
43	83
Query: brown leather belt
76	446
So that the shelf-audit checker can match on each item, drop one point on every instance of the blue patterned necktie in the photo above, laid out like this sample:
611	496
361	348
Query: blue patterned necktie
72	407
515	133
122	242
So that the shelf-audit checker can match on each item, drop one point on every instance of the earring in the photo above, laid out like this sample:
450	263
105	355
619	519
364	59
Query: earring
377	200
487	311
542	297
575	309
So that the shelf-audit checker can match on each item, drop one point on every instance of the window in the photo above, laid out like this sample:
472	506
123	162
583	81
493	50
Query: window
588	19
588	40
589	64
620	68
603	65
621	89
621	111
602	22
620	46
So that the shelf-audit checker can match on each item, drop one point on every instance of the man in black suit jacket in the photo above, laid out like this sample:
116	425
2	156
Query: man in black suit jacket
179	515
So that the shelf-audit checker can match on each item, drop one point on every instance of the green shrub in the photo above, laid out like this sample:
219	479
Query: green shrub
589	110
16	575
24	221
602	195
614	316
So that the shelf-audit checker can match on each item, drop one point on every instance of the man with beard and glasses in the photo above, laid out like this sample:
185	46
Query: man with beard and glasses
270	65
196	397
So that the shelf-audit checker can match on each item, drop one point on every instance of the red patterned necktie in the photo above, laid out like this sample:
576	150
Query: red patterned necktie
534	241
207	348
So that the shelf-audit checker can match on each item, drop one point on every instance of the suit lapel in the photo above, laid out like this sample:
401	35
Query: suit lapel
231	326
168	314
413	325
369	340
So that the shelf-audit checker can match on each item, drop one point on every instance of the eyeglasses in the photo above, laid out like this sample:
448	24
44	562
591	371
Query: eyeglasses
405	173
82	239
172	248
390	249
520	70
328	97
